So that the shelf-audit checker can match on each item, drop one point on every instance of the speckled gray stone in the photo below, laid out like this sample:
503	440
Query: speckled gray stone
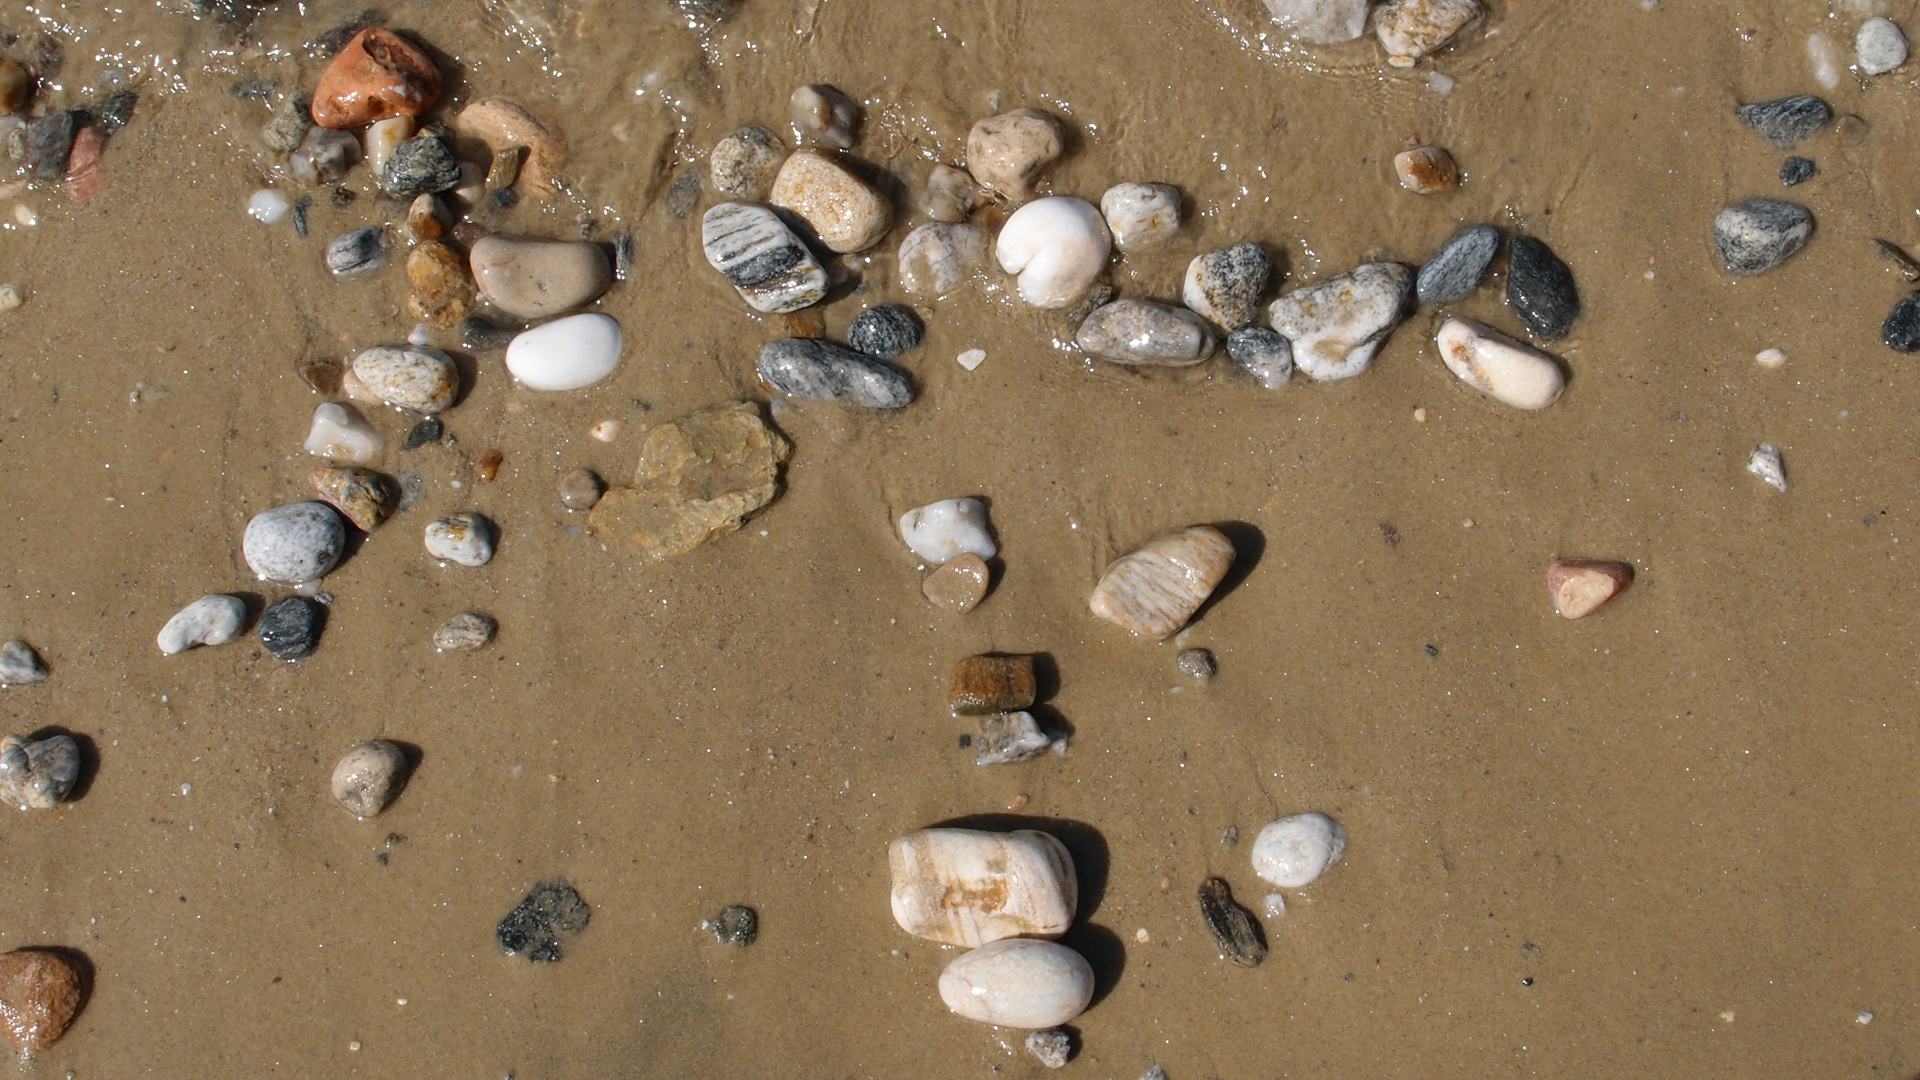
1786	121
294	543
1225	286
38	775
744	163
1263	354
822	371
1459	266
1540	289
423	165
1145	333
886	331
20	665
289	124
773	271
290	629
1756	235
1796	171
361	251
465	632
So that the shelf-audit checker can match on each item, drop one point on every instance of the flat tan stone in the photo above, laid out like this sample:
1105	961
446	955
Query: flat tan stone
1580	587
959	584
1155	590
699	477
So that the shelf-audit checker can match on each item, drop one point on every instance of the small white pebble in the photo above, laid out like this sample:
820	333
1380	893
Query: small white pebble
1142	936
1276	905
1824	60
11	297
1765	462
354	1045
1648	275
1419	416
400	1001
1865	1017
1770	358
24	214
1467	524
1879	47
1440	84
186	789
972	358
269	207
606	430
420	336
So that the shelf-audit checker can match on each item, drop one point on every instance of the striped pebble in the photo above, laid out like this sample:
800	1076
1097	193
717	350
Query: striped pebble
773	270
1155	590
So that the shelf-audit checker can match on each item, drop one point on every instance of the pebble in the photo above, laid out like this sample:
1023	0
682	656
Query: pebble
339	431
1234	929
822	371
269	207
369	776
367	498
823	116
20	665
358	252
1293	851
1009	737
1459	266
423	165
1145	333
1276	905
1197	663
1224	286
294	543
844	211
1410	29
1058	246
1337	325
1498	366
966	887
85	172
1263	354
938	258
1018	983
1770	358
210	620
376	75
14	84
504	170
971	359
537	924
991	684
38	775
537	278
773	271
290	627
606	431
580	489
1006	153
885	332
941	531
959	584
1053	1048
734	925
1824	60
466	539
1141	216
950	195
324	156
566	354
1540	289
698	477
1320	22
1765	462
1879	46
501	123
1153	591
1579	587
11	297
1756	235
1426	170
289	124
439	290
744	163
41	991
416	377
465	632
1901	331
623	253
383	138
484	335
50	143
1796	171
1785	121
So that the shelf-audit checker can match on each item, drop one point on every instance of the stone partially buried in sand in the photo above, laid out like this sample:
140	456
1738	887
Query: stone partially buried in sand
41	991
959	584
378	74
1155	590
985	684
1580	587
967	887
699	477
501	123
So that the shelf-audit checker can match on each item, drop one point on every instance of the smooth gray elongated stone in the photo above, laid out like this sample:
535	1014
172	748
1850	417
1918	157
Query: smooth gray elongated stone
50	143
1786	121
1756	235
1540	289
822	371
1459	266
764	260
1143	332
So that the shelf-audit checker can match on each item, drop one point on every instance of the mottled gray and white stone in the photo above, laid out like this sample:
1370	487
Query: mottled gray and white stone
20	665
465	632
324	156
1224	286
772	269
1320	22
1141	216
1766	463
466	539
886	331
744	163
1459	266
423	165
294	543
1410	29
368	777
1143	332
1337	325
1879	46
1263	354
822	371
1540	289
361	251
289	124
416	377
38	775
1053	1047
1785	121
938	258
210	620
1756	235
1009	737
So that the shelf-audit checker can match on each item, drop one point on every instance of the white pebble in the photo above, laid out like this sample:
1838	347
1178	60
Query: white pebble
339	431
382	137
1879	47
972	358
941	531
1440	84
1765	462
269	207
1058	246
11	297
606	430
1770	358
967	887
1018	983
1823	59
1295	850
1865	1017
1498	366
1276	905
420	334
210	620
565	354
1141	215
466	539
24	214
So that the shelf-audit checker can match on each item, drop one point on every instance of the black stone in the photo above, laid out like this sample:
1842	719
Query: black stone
1797	170
1234	930
1902	329
552	910
300	208
735	925
886	331
342	196
1459	266
50	143
423	165
357	252
1756	235
822	371
1540	289
484	335
504	198
424	432
290	629
115	112
1787	120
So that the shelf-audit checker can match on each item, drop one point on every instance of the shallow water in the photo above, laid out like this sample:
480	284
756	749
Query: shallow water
1667	837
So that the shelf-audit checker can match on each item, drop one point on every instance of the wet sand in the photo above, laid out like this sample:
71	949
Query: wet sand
1669	837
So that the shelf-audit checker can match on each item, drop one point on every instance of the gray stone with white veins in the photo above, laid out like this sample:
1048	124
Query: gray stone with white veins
1224	286
1337	325
765	261
1145	333
423	165
20	665
358	252
1756	235
1459	266
822	371
1009	737
1786	121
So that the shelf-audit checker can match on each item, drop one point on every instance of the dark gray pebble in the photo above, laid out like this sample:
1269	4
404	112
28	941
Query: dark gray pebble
50	143
1756	235
290	629
1787	120
1540	289
886	331
735	925
504	198
623	256
1197	663
115	112
342	196
484	335
1902	329
1262	353
300	208
358	252
424	432
535	926
258	88
1797	170
1459	266
822	371
1234	930
423	165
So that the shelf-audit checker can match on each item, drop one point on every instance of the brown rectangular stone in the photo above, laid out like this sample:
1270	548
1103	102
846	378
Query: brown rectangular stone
991	684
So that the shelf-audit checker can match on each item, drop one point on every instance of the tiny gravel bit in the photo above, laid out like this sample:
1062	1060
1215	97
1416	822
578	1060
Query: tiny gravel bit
1233	929
735	925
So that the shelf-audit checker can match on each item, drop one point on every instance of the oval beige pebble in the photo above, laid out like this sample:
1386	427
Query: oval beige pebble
1005	153
410	376
968	887
1581	587
845	212
1019	983
537	278
580	489
465	632
369	776
1499	366
959	584
1155	590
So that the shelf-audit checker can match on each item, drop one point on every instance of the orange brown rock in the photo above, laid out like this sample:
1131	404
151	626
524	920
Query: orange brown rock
41	992
1580	587
991	684
378	75
959	585
1426	170
441	293
85	172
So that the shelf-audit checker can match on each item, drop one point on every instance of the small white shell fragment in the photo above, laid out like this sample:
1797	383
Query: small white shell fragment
1057	246
565	354
1498	366
269	207
972	358
339	431
1293	851
1824	60
1018	983
967	887
382	137
939	531
210	620
1154	591
1770	358
606	430
1765	463
24	214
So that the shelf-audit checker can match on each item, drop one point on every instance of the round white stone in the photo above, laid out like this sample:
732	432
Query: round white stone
1879	47
941	531
466	539
268	206
1295	850
1499	366
1058	246
1018	983
339	431
565	354
294	543
210	620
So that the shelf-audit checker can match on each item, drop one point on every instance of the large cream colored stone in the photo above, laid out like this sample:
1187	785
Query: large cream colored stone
967	887
1155	590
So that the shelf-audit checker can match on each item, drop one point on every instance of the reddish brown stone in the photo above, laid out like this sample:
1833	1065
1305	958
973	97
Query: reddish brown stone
991	684
1581	586
85	173
41	992
378	75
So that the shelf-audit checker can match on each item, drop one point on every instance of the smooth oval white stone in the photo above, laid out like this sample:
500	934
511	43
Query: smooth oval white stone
1058	246
968	887
1499	366
382	137
939	531
1295	850
466	539
210	620
295	542
565	354
1879	46
339	431
1018	983
268	206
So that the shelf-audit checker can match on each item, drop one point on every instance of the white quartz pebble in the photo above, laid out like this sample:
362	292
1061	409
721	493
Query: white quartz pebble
1058	246
1765	462
968	887
1879	47
1295	850
1770	358
972	358
1493	364
565	354
940	531
1141	215
268	206
466	539
210	620
1018	983
1824	60
339	431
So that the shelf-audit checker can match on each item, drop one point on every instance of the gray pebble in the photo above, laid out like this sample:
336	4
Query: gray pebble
300	207
535	926
424	432
290	629
20	665
735	925
1198	663
886	331
325	156
1540	289
289	124
1786	121
115	112
38	775
50	143
1009	737
1756	235
484	335
1796	171
765	261
1053	1047
423	165
623	256
745	163
1901	331
581	489
1459	266
358	252
685	194
1143	332
294	543
1225	286
1879	46
1263	354
822	371
465	632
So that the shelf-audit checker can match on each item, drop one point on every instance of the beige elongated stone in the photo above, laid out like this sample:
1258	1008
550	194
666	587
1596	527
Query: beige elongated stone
1498	366
1155	590
1580	587
844	211
967	887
